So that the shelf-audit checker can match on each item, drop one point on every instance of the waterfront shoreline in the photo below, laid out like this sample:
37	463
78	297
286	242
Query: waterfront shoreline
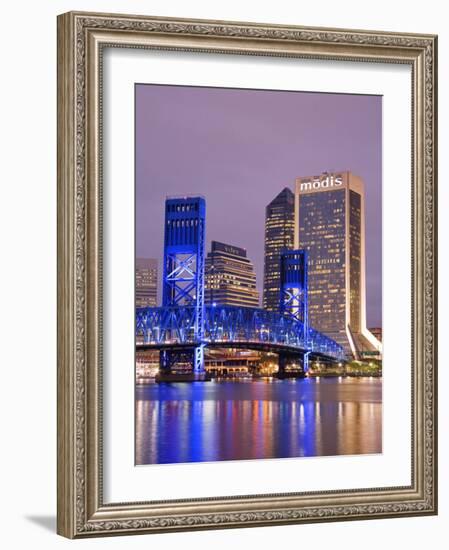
247	379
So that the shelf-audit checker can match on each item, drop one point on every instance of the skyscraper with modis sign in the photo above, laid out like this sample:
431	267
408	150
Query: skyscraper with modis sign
330	225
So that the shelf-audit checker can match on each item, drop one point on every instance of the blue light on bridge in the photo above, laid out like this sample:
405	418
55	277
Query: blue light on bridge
231	326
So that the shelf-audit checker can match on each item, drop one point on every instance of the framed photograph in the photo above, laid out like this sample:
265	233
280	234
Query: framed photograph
246	274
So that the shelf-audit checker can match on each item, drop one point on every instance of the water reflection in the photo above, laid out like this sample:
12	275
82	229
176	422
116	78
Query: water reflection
208	421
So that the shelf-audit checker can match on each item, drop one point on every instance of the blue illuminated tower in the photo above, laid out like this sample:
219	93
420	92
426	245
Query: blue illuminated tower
293	295
293	286
183	275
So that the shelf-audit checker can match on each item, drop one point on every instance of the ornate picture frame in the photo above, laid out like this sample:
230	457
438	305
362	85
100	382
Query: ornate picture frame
82	38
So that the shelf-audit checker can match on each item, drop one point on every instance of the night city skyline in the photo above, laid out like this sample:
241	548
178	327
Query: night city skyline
239	149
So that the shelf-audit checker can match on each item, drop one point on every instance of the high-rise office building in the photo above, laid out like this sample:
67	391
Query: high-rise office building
330	225
230	277
279	236
146	282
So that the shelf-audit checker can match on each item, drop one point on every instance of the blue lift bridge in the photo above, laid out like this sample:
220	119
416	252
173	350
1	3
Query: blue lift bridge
184	325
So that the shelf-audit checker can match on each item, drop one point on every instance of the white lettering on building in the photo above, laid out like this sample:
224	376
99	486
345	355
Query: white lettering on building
321	183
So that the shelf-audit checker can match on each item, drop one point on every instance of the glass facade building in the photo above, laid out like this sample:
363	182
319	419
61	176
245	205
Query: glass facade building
146	282
279	236
230	277
330	225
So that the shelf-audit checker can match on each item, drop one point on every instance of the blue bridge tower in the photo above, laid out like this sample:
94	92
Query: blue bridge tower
183	286
294	286
293	299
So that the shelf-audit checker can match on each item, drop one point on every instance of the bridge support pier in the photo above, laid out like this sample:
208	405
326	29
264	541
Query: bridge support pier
305	364
290	366
185	365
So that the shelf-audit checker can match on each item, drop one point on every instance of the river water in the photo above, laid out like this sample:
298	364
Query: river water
226	420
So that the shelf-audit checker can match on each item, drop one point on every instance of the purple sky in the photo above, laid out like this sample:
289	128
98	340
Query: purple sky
239	148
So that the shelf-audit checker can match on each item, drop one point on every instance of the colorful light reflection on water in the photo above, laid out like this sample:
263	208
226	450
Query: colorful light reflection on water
224	420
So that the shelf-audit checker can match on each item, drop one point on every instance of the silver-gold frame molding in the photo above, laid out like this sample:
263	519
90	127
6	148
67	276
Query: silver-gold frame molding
81	39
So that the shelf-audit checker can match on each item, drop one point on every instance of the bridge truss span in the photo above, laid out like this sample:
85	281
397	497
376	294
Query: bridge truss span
171	326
